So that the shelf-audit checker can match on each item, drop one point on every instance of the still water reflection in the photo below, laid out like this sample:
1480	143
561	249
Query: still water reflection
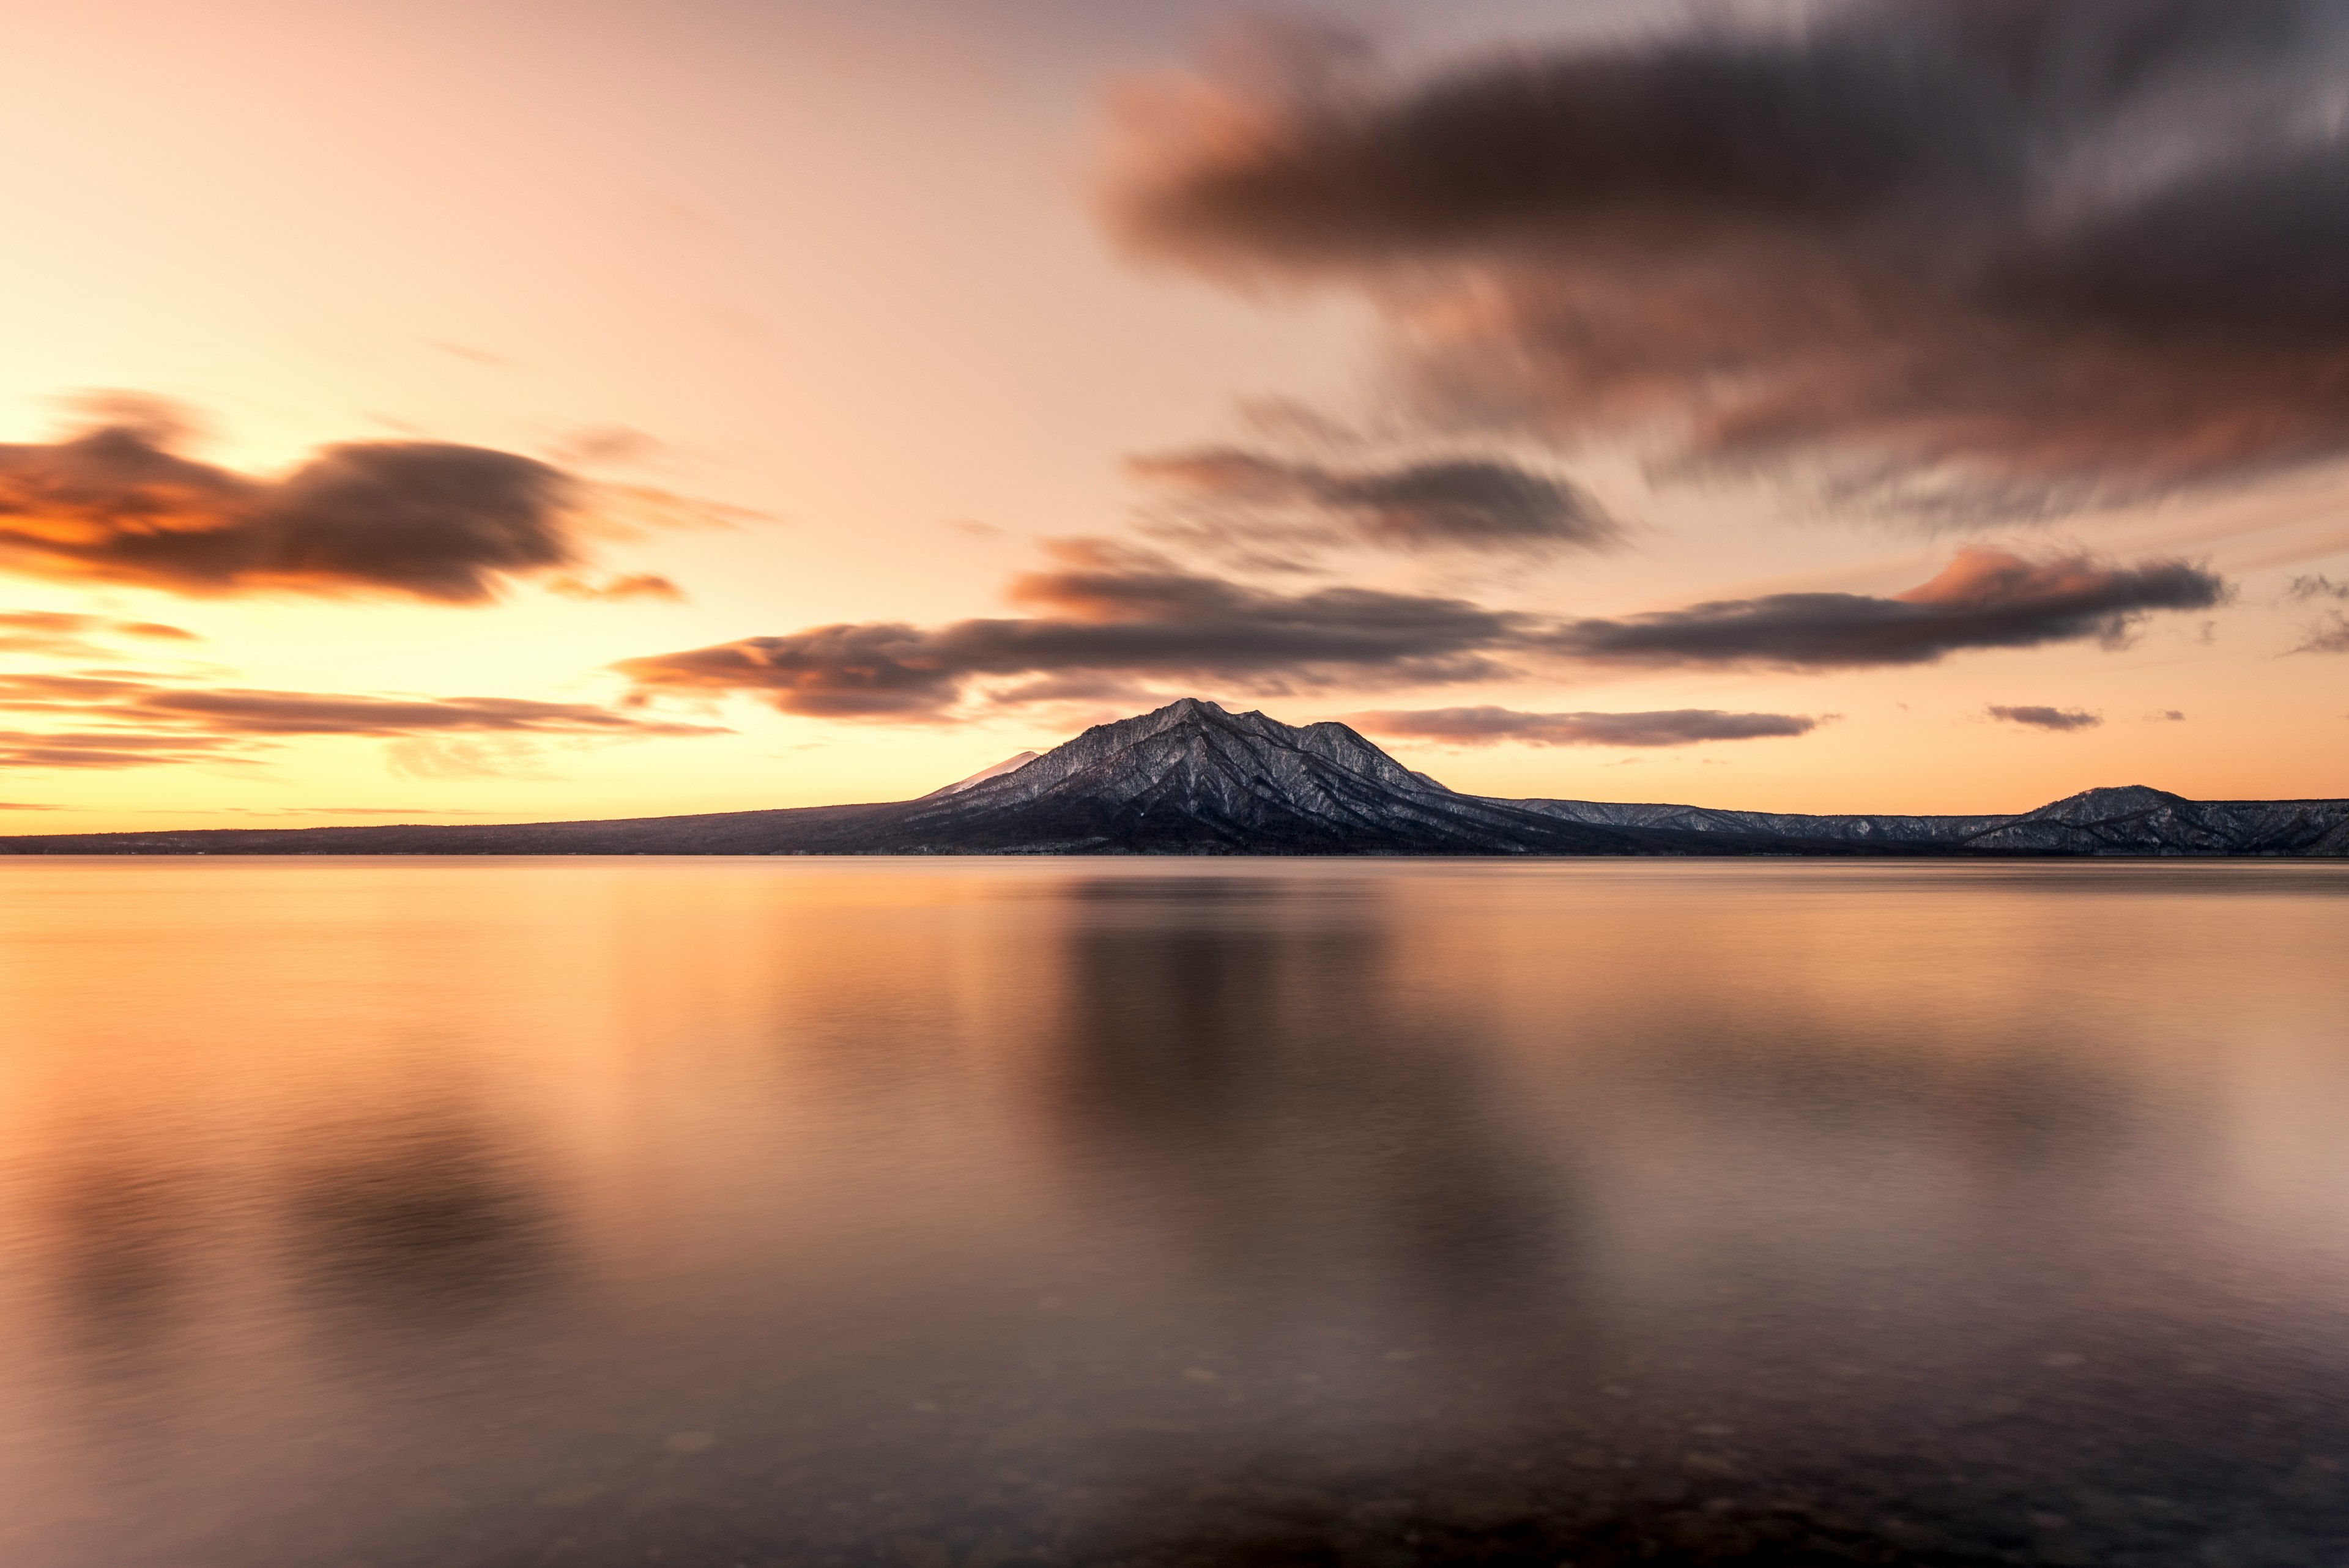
989	1214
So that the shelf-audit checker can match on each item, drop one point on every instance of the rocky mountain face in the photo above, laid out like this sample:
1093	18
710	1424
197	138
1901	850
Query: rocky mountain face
1192	778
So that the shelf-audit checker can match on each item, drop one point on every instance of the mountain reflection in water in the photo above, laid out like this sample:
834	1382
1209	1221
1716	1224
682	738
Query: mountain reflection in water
976	1214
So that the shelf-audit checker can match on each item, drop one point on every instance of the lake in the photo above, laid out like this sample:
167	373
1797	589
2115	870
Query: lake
979	1213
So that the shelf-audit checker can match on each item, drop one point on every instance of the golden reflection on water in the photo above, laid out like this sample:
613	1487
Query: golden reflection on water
976	1213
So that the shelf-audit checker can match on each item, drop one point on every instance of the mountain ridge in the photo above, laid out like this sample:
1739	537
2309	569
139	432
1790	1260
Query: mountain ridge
1191	778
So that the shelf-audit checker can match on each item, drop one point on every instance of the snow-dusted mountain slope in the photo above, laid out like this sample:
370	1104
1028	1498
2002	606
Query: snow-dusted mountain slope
1193	778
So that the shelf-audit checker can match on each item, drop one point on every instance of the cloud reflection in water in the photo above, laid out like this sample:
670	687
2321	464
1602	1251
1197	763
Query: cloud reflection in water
989	1214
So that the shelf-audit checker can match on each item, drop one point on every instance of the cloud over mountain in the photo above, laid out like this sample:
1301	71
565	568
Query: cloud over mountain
1109	613
2000	253
1671	726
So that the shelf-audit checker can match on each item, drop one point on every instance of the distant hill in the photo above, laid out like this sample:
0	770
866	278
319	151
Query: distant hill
1194	780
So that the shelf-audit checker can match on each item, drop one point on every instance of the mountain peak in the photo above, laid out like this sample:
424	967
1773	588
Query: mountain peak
1192	778
1186	710
1194	775
1203	750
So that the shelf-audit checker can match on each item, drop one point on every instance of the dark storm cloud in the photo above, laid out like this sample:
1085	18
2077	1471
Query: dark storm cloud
1465	503
2039	250
1983	599
1672	726
2055	718
144	724
1109	613
421	518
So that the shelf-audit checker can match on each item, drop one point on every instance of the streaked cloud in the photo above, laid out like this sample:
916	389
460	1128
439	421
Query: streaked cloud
1470	503
352	812
2028	254
1983	599
1109	610
2062	719
1669	726
59	635
1114	614
105	749
124	723
617	445
635	585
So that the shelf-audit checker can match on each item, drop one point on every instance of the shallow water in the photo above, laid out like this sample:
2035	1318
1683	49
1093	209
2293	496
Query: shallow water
983	1213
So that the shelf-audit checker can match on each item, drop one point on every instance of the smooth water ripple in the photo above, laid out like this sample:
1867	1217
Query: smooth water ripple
998	1214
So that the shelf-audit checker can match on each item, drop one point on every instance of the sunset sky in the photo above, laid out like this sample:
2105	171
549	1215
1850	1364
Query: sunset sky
508	411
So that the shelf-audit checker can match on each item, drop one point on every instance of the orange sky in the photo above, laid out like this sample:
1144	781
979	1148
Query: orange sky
817	318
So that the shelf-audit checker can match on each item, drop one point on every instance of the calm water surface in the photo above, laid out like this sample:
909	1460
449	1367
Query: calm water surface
988	1214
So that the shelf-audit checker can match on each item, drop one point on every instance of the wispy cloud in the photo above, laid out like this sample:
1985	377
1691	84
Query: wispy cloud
124	723
2304	588
2329	636
2055	718
59	635
1671	726
618	445
402	812
110	749
1472	503
635	585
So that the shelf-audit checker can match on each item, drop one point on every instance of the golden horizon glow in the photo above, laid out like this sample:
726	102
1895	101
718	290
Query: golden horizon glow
819	315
